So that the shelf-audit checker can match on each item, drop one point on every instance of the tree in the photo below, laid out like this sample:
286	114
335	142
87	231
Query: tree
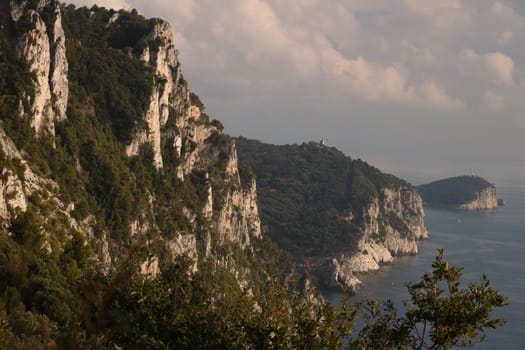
439	314
209	311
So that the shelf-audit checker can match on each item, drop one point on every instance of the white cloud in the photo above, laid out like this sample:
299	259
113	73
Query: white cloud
305	61
378	83
298	43
503	11
184	8
111	4
385	51
370	81
445	15
433	95
423	55
501	66
494	67
505	37
431	7
493	102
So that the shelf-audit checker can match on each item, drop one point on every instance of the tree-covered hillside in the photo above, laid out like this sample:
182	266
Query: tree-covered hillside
307	190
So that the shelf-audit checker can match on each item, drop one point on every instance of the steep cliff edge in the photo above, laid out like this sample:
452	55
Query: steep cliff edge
337	214
461	192
101	136
41	44
393	224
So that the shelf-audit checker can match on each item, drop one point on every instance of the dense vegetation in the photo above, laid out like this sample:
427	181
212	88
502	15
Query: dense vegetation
454	191
15	79
54	286
102	73
306	190
67	301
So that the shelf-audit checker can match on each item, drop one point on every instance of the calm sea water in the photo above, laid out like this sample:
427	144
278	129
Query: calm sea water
491	243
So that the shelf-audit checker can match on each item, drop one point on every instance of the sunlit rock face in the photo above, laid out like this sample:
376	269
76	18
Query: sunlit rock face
486	199
170	93
393	225
42	46
173	122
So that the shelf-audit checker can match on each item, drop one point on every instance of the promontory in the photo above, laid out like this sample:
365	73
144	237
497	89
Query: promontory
337	216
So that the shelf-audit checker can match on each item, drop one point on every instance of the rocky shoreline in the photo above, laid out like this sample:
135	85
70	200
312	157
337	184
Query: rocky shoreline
486	199
381	242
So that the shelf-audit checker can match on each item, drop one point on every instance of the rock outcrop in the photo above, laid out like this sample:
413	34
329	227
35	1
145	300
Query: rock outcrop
393	224
486	199
170	95
42	46
17	181
238	220
190	135
21	185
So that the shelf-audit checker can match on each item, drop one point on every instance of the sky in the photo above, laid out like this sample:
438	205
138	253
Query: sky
423	89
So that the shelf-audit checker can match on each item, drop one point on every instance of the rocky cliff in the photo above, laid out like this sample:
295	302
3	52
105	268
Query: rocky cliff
108	133
169	92
41	44
461	192
486	199
336	215
190	136
393	225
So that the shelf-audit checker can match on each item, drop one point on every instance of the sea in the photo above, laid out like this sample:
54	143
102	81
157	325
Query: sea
486	242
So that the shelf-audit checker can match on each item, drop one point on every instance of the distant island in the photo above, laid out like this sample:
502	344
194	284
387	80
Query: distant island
469	192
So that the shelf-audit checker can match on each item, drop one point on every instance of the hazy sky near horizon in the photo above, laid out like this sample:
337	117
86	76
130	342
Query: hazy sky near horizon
420	88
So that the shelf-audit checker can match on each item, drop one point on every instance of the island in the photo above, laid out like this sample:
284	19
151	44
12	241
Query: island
469	192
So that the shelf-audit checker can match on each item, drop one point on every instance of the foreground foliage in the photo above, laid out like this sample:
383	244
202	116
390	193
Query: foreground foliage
78	307
439	314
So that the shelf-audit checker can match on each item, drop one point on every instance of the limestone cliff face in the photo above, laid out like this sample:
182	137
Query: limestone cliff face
393	223
173	122
42	46
238	220
170	94
12	196
486	199
17	182
19	185
172	126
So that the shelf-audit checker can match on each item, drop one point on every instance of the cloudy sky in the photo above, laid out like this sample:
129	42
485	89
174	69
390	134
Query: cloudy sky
419	88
